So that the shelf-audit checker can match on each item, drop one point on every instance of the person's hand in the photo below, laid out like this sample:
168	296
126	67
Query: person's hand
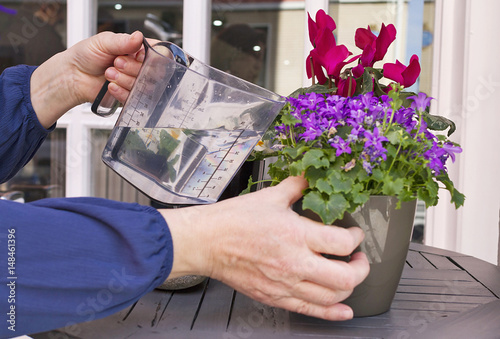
256	244
93	59
76	75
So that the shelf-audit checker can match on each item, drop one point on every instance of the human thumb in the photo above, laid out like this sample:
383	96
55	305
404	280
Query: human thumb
291	189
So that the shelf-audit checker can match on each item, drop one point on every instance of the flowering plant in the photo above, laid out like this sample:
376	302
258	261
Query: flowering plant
351	136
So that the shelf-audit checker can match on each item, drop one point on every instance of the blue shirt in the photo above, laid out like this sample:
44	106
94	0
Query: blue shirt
67	260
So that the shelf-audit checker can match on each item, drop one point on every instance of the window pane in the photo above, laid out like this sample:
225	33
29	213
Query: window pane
155	19
31	31
283	27
44	176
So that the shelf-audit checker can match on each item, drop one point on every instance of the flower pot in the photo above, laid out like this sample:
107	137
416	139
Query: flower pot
387	239
182	283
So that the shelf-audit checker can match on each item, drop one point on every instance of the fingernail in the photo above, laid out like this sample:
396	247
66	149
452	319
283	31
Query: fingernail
358	233
133	35
347	314
111	74
120	63
112	87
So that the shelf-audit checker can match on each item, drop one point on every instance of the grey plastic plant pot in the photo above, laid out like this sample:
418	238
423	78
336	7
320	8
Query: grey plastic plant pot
387	239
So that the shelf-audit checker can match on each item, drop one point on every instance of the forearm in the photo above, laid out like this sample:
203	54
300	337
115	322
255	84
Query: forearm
52	89
193	236
71	254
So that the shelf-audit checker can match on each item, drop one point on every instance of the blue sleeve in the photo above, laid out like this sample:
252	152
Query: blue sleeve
21	134
76	260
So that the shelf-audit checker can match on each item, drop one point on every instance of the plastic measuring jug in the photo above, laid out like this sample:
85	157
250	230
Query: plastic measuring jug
186	128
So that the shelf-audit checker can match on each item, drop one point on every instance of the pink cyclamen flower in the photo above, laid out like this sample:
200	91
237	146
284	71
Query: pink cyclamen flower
320	32
323	21
343	87
404	75
329	55
326	55
374	47
313	65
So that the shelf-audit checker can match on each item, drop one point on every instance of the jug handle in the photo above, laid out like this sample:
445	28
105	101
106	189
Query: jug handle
105	104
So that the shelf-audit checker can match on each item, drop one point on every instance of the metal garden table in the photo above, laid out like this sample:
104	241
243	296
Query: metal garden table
442	294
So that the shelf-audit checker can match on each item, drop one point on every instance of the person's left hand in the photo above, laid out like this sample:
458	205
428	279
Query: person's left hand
258	245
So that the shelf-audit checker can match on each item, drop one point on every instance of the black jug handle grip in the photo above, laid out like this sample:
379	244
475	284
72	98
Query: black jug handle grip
105	104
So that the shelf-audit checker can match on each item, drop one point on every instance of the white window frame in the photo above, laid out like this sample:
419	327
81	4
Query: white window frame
79	122
466	87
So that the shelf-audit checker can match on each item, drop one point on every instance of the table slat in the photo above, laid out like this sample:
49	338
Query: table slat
486	273
182	309
216	307
440	262
417	260
249	317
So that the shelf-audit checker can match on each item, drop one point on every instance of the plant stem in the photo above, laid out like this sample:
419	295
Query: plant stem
312	71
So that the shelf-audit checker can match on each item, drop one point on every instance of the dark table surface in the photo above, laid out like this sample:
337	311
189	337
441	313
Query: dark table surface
442	294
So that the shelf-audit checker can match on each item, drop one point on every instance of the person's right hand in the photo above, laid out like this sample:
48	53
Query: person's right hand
76	75
259	246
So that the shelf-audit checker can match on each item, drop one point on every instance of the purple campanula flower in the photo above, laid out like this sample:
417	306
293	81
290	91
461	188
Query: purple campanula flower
451	149
340	145
311	101
435	157
374	140
367	167
420	102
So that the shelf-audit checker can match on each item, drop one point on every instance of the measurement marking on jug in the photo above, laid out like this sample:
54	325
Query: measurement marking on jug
188	108
218	166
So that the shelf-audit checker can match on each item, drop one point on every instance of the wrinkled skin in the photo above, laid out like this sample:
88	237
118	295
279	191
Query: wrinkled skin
258	245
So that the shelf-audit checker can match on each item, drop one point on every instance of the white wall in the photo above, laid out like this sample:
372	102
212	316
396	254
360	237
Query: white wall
467	87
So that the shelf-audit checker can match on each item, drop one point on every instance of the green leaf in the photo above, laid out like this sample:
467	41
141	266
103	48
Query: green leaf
456	197
312	89
167	143
324	186
313	174
377	174
297	167
432	187
295	152
392	186
439	123
359	196
394	137
134	141
315	158
289	120
339	182
249	186
423	195
367	82
329	208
